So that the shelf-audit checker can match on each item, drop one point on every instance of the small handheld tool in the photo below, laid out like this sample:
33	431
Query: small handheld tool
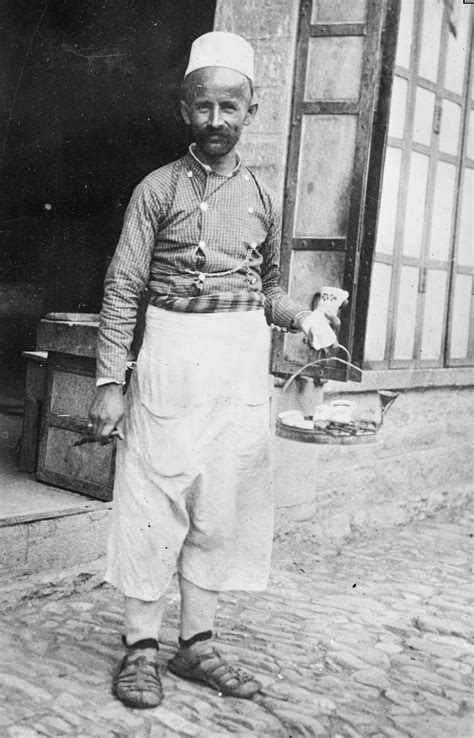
89	438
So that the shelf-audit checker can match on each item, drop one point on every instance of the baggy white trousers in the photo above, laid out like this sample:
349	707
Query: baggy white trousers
193	489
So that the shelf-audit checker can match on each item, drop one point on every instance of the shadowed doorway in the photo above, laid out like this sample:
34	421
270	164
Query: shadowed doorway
89	94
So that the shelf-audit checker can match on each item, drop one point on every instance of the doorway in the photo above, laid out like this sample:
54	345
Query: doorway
91	92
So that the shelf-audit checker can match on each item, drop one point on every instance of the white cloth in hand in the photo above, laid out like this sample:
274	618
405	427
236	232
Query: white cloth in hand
318	329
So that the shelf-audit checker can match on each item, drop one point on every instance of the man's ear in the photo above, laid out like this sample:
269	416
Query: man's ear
251	113
185	112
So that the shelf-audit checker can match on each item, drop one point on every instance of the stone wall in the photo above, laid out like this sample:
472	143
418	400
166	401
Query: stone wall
270	26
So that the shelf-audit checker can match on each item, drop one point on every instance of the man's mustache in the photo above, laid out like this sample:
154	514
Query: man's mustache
214	133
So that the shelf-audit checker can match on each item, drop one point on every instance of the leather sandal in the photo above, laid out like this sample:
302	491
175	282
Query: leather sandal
137	682
201	662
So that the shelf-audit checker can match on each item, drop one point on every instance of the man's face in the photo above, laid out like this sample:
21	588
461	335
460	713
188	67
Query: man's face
217	104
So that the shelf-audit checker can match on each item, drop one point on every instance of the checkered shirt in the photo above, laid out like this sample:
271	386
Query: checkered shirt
195	241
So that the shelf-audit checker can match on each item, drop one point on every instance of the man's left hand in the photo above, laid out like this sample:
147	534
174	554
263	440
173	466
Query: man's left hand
335	322
307	321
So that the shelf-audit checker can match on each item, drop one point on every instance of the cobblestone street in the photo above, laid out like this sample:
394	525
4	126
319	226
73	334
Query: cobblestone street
373	638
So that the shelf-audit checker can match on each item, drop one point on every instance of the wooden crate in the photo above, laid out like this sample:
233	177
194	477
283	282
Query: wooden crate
88	468
34	397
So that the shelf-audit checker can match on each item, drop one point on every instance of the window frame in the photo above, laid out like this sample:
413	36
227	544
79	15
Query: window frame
397	258
380	31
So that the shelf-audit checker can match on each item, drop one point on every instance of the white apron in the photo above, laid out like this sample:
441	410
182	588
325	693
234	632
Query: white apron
193	486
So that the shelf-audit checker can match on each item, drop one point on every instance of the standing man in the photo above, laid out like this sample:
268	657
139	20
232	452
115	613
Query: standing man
193	487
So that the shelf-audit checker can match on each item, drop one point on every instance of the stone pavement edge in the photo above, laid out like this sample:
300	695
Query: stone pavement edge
369	638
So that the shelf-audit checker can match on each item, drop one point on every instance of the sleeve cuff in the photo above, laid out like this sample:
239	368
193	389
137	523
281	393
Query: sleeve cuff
106	380
301	313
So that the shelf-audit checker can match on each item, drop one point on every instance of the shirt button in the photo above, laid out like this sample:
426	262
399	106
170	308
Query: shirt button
190	174
251	210
204	206
246	177
202	244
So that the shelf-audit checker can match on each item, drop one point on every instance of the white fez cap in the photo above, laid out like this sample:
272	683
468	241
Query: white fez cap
221	49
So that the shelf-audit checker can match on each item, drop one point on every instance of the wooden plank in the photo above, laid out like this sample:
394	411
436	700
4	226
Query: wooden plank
34	395
74	317
91	489
324	188
337	29
90	467
74	392
85	466
334	68
323	107
398	143
436	88
384	258
83	365
468	270
295	140
74	338
319	244
406	146
355	232
457	269
375	174
39	356
60	512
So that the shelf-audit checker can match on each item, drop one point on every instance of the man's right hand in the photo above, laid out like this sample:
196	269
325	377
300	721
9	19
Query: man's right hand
107	411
